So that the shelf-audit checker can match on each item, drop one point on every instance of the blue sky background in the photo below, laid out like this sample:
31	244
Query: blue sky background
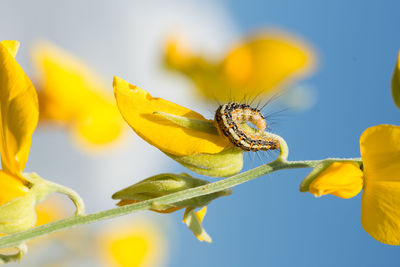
268	222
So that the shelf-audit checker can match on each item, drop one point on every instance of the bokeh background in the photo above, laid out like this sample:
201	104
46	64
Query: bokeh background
266	222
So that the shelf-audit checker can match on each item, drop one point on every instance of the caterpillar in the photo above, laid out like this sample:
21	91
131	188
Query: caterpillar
230	118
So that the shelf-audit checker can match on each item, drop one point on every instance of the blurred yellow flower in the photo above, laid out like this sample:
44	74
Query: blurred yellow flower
19	116
203	151
72	95
257	65
380	203
50	210
133	244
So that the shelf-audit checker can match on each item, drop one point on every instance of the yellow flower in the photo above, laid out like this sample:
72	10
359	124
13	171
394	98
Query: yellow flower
19	116
348	186
19	113
380	203
203	151
258	64
72	95
133	244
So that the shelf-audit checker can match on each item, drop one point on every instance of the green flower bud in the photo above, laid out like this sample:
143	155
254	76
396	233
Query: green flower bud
226	163
19	214
396	82
164	184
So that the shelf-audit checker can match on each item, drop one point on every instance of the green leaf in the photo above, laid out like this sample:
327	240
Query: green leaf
396	83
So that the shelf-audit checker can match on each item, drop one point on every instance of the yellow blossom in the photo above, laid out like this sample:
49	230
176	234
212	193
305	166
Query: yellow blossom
258	64
380	173
72	95
203	151
19	116
19	113
133	244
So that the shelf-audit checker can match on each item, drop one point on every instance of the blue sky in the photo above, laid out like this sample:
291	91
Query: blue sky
268	222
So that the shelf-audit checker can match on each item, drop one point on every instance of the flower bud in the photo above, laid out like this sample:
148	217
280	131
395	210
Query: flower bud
341	179
164	184
193	219
19	214
396	82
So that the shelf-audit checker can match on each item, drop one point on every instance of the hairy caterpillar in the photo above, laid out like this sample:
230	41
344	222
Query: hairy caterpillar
230	118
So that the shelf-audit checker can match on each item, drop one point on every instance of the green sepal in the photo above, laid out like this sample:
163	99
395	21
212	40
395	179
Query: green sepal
396	83
194	124
19	214
194	223
16	257
159	185
305	184
225	163
164	184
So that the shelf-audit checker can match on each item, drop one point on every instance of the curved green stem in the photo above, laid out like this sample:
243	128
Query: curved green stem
72	195
279	164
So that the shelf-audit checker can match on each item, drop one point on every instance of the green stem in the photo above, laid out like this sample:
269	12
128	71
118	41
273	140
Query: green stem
18	238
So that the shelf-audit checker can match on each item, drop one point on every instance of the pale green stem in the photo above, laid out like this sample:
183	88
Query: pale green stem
18	238
72	195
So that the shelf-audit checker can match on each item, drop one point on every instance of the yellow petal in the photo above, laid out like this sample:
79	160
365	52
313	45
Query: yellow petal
201	213
12	46
10	187
137	107
341	179
396	82
380	206
19	113
71	94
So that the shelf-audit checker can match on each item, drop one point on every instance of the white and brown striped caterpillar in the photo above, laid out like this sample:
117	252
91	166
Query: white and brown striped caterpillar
229	119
